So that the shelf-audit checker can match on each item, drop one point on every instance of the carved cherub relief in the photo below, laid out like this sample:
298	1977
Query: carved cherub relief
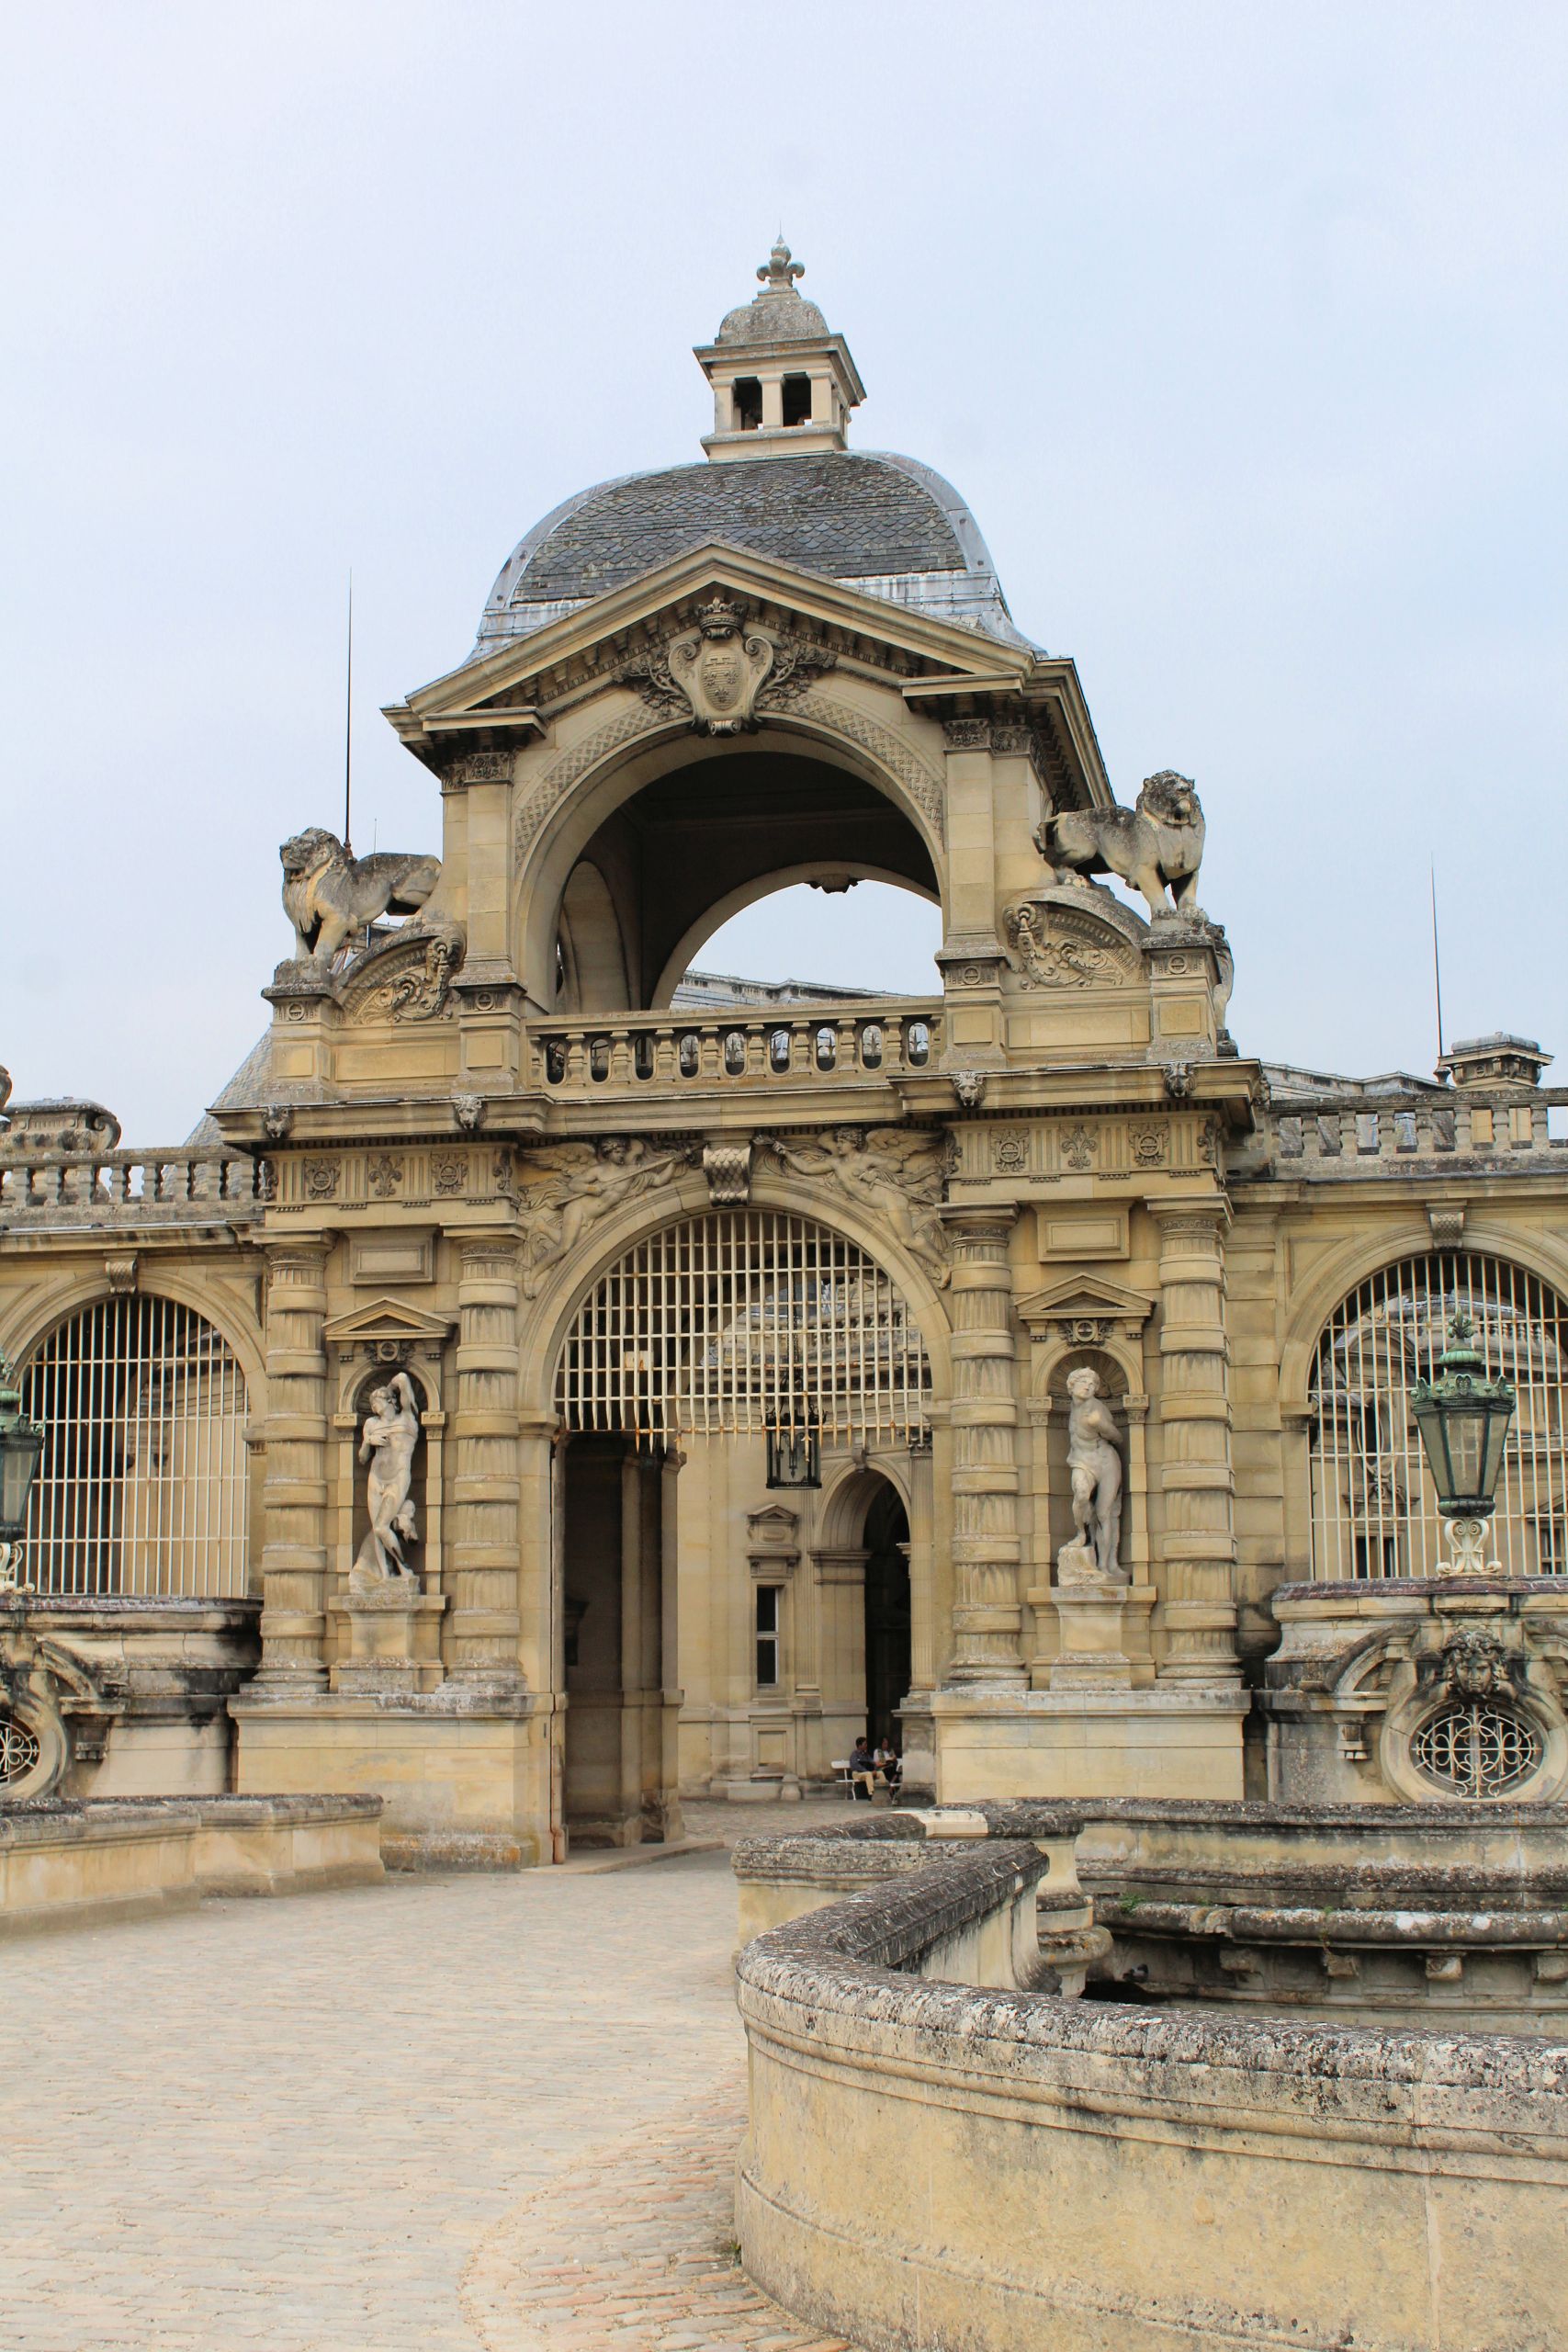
577	1184
893	1175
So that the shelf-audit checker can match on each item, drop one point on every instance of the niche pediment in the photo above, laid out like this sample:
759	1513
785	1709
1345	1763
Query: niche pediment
1085	1308
387	1329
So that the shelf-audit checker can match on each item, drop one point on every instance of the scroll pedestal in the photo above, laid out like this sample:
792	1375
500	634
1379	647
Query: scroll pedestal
388	1642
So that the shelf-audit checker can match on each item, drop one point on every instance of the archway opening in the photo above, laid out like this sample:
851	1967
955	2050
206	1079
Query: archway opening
141	1487
870	937
680	858
1373	1510
721	1633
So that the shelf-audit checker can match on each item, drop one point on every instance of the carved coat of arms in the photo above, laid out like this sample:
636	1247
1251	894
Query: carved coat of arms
723	669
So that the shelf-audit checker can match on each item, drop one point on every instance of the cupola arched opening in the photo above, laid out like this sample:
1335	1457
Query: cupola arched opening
675	862
653	855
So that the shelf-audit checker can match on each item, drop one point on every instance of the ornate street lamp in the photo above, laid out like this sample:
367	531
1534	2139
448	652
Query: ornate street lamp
794	1450
21	1442
1463	1419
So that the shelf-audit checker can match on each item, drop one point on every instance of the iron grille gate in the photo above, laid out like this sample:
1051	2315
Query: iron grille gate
732	1322
141	1485
1374	1511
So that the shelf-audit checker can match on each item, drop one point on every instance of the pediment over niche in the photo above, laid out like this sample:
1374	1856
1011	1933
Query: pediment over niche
1085	1308
1074	938
387	1329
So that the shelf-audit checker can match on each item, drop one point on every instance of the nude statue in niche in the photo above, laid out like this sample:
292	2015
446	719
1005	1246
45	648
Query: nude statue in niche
387	1442
1094	1466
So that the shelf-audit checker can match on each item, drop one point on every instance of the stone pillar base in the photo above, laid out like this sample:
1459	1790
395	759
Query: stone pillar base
1090	1613
389	1641
455	1783
1101	1741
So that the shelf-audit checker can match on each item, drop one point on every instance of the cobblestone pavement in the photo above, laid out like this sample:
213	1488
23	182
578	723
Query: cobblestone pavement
296	2125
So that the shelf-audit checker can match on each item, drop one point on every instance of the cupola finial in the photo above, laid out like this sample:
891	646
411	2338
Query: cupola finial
778	273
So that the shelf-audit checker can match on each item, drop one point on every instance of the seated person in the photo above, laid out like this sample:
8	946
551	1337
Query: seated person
863	1770
887	1764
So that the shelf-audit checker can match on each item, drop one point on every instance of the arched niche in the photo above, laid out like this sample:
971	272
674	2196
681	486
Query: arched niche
675	824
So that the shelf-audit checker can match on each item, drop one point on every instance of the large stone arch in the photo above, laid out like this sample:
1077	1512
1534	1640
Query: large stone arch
1309	1310
546	1324
39	1313
558	812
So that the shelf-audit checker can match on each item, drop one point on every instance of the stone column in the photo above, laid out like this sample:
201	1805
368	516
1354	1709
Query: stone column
987	1618
1198	1547
294	1499
486	1548
671	1694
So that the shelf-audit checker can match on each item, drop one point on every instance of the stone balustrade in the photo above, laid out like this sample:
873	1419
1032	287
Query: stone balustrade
197	1185
1333	1138
797	1046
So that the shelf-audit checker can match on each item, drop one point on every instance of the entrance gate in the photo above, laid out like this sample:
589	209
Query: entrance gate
721	1328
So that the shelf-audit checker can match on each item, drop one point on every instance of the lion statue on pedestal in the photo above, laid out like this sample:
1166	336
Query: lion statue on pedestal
1156	847
329	896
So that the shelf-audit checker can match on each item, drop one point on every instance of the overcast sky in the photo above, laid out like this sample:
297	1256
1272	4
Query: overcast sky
1240	327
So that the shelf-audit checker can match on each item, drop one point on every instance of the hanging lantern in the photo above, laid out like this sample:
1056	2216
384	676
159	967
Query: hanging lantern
795	1449
1463	1420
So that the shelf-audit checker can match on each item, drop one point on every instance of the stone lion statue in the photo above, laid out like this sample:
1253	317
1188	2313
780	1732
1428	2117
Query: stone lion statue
1158	842
329	896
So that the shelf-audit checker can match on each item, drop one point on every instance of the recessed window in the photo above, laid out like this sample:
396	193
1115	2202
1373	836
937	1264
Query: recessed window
748	404
798	399
768	1597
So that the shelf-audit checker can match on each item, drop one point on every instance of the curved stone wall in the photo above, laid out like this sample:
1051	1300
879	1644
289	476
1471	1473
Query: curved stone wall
930	2166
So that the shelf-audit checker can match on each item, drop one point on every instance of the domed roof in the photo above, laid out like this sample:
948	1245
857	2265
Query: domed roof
870	520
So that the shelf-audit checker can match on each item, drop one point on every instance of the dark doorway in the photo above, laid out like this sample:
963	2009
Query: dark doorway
620	1724
887	1665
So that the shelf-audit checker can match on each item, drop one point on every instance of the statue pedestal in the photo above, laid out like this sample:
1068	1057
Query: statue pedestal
1091	1609
389	1641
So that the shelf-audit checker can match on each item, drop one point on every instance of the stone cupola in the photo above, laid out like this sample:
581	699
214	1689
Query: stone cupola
783	384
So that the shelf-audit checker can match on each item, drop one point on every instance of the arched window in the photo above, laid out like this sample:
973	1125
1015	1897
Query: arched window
1374	1511
729	1323
142	1485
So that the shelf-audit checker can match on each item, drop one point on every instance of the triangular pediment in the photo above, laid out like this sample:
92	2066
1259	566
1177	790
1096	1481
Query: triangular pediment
514	676
1082	1299
387	1319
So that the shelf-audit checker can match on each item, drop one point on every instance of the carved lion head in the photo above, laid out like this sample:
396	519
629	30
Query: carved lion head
1170	799
306	853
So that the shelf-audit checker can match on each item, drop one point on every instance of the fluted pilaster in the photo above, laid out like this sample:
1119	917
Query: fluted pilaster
987	1617
294	1495
1198	1547
485	1561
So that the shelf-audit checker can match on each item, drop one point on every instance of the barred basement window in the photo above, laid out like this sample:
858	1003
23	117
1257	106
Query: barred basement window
18	1751
141	1485
1474	1749
732	1324
1374	1511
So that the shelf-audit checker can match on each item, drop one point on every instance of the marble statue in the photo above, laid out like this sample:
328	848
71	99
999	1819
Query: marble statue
390	1435
1094	1466
1157	842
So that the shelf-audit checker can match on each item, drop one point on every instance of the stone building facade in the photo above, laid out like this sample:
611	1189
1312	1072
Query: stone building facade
737	1332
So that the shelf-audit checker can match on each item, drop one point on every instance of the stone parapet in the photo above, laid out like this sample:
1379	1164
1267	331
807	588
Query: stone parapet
64	1863
1231	2152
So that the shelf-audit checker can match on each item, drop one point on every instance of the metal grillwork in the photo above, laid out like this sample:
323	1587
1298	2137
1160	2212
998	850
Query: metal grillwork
1472	1749
1373	1512
742	1321
19	1751
142	1485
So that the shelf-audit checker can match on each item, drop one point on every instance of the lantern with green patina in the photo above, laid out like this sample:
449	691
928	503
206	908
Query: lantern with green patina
1463	1419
